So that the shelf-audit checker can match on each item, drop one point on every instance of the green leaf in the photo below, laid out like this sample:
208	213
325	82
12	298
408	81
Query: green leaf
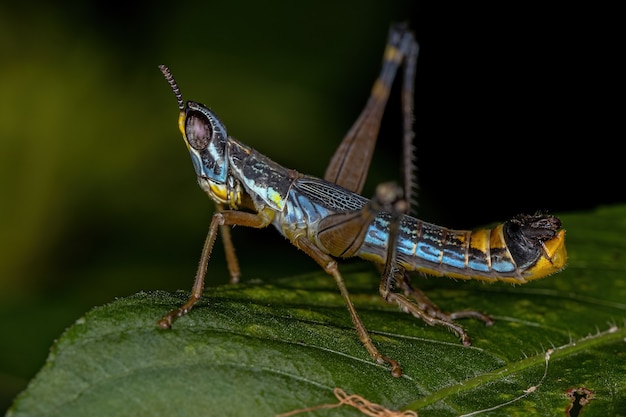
268	348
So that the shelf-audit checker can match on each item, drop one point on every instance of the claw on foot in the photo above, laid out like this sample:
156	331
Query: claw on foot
165	322
396	370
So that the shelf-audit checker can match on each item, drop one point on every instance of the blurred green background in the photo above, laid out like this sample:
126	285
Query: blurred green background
97	194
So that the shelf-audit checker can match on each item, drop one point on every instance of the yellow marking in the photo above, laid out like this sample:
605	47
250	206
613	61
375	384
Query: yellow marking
460	235
372	257
219	192
276	198
434	272
234	199
552	261
496	240
181	123
380	90
479	240
267	215
392	54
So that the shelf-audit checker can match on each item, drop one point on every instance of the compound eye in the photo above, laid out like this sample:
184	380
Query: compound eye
198	130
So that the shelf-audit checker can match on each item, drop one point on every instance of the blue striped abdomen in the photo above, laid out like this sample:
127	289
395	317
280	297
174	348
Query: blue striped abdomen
503	253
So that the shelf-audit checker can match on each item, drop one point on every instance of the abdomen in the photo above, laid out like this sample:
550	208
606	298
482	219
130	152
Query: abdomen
521	249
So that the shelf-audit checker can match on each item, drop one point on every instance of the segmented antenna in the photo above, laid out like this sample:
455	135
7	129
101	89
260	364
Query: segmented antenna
172	82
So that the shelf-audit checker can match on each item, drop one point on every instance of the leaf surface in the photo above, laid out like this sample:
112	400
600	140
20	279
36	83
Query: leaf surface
265	348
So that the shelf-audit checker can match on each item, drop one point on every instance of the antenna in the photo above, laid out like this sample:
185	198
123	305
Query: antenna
172	82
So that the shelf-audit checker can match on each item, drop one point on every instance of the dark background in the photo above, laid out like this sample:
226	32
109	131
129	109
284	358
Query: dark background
516	111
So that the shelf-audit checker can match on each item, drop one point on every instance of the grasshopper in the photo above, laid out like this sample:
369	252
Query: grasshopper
328	219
